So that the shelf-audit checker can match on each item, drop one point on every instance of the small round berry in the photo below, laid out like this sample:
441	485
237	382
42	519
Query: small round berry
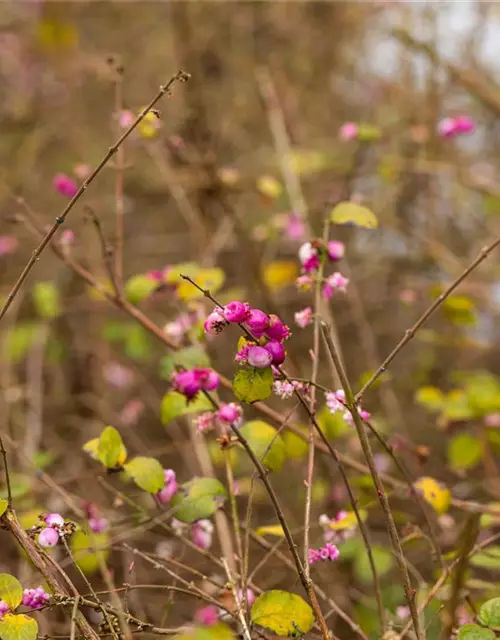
277	352
229	413
210	381
259	357
214	323
236	312
277	329
257	322
48	537
187	383
54	520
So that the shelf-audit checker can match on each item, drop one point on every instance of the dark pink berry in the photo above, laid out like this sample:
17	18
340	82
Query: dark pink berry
277	352
257	322
277	329
187	383
236	312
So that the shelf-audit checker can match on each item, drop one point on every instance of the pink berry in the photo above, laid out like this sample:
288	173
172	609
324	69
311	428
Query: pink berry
207	616
201	533
336	250
348	131
259	357
210	381
236	312
48	537
277	352
65	185
167	493
229	413
98	525
187	383
257	322
277	329
54	520
464	124
214	323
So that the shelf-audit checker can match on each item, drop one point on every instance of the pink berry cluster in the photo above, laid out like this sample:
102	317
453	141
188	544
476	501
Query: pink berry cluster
284	389
225	415
35	598
50	534
335	401
456	126
311	256
268	329
191	382
170	488
97	524
328	552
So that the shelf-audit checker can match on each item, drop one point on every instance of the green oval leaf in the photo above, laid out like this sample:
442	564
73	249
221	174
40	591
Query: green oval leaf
199	498
88	550
18	627
489	613
487	559
352	213
11	590
139	288
3	506
475	632
251	384
110	448
266	444
175	404
382	558
147	473
287	614
46	299
464	452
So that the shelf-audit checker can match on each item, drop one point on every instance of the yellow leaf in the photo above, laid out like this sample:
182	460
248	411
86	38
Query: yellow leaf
56	34
433	492
149	125
211	279
96	293
279	274
349	521
307	161
269	187
352	213
271	530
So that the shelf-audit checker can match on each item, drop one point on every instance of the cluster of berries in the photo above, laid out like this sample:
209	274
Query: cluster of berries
32	599
268	331
53	530
335	401
201	532
459	125
191	382
226	415
332	535
328	552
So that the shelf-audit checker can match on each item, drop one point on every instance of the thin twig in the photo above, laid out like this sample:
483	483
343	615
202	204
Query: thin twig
6	471
239	611
382	496
120	165
180	76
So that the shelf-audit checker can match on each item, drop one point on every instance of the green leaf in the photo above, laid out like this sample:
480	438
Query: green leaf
368	133
489	613
352	213
460	310
175	404
333	425
110	447
475	632
139	287
265	442
431	398
19	339
296	448
46	299
11	590
487	559
464	452
3	507
189	358
88	550
18	627
147	473
217	631
251	384
197	499
383	559
287	614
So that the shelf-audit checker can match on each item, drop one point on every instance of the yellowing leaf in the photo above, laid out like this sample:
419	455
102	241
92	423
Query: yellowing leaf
147	473
148	127
88	549
464	452
139	288
251	384
111	450
295	447
279	274
197	499
437	495
304	162
430	397
3	506
11	590
265	443
217	631
269	187
352	213
46	299
211	279
271	530
18	627
287	614
349	521
175	404
96	293
56	34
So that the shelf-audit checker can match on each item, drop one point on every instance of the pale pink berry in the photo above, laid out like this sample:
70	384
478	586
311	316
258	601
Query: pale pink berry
306	252
277	329
214	323
167	493
277	352
304	282
251	597
229	413
303	318
201	533
98	525
54	520
348	131
48	537
335	282
259	357
205	421
4	608
257	322
65	185
236	312
447	127
8	245
335	250
295	227
125	119
283	389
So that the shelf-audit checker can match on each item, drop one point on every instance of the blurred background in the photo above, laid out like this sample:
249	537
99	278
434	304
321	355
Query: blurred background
215	178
